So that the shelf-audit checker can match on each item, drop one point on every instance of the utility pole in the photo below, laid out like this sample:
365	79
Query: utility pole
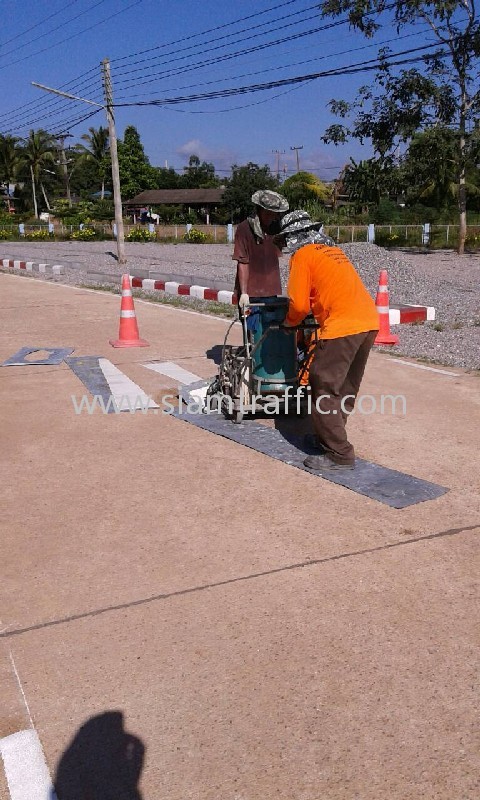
112	134
278	153
300	147
113	148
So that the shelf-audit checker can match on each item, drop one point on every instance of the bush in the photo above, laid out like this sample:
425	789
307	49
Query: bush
140	235
40	235
84	235
5	235
473	240
193	236
384	239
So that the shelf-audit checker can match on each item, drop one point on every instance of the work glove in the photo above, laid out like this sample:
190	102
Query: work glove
244	300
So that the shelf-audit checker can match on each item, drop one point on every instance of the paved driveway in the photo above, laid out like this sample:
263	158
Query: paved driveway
264	633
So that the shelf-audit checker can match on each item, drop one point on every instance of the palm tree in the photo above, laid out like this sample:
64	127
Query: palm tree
39	151
97	150
9	160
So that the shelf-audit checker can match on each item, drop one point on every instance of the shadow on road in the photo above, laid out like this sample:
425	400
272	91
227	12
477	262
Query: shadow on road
102	762
215	354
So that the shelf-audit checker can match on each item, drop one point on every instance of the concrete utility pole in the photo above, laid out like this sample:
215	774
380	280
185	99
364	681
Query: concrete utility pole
300	147
278	153
107	83
117	197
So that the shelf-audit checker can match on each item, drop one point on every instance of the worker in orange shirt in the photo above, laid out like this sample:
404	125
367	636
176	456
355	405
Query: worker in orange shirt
324	282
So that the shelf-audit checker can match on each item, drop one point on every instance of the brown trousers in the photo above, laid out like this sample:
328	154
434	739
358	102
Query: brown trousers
336	371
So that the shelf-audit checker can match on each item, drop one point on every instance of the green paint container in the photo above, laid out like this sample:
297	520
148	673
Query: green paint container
275	360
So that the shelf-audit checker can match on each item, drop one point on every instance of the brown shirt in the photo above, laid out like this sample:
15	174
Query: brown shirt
262	257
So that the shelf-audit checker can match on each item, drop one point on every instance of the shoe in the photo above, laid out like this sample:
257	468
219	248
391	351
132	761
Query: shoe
324	463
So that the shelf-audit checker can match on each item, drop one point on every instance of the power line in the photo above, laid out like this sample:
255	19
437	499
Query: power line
283	66
38	24
365	66
73	36
52	30
216	39
204	33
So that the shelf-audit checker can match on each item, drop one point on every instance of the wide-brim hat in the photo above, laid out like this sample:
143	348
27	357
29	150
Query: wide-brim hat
270	201
297	221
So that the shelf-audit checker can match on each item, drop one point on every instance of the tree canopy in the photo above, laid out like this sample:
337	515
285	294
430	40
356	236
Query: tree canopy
244	182
441	91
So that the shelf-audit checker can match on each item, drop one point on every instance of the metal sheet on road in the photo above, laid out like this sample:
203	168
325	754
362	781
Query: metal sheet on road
391	487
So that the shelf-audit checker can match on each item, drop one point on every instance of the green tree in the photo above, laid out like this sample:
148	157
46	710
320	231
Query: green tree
445	91
244	182
199	175
370	180
167	178
429	168
97	152
9	158
303	187
136	172
38	154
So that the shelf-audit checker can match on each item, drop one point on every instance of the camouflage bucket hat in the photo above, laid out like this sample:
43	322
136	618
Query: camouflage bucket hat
270	201
297	221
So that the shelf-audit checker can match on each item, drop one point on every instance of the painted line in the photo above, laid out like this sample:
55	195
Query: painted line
172	370
124	391
26	771
423	366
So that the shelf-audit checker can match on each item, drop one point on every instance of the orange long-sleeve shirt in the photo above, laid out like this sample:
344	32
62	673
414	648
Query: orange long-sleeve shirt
324	281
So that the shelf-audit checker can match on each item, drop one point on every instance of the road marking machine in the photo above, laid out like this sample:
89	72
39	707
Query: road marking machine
269	371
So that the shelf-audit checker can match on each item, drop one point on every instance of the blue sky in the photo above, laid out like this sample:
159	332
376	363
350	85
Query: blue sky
161	50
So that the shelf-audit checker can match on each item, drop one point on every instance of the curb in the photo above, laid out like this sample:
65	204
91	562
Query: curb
30	266
172	287
399	314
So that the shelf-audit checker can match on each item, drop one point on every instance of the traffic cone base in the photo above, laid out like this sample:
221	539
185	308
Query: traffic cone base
128	334
389	338
383	307
129	343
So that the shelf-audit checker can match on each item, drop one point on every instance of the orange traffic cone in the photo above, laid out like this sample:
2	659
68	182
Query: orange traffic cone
128	333
383	307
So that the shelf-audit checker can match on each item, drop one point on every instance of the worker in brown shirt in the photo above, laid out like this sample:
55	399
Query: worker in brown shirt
256	254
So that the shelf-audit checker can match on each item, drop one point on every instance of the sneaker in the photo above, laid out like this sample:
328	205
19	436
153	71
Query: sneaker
324	463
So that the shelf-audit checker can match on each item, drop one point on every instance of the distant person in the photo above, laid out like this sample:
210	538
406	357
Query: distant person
256	254
324	282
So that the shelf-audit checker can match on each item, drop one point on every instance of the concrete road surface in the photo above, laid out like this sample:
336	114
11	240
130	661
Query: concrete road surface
182	618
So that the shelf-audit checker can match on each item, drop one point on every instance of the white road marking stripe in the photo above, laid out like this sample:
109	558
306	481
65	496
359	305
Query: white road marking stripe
25	767
172	370
423	366
123	389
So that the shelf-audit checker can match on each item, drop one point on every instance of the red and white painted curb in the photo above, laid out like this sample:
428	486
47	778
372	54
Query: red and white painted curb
398	314
172	287
31	266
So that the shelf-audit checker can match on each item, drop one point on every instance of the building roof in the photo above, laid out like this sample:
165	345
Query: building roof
156	197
